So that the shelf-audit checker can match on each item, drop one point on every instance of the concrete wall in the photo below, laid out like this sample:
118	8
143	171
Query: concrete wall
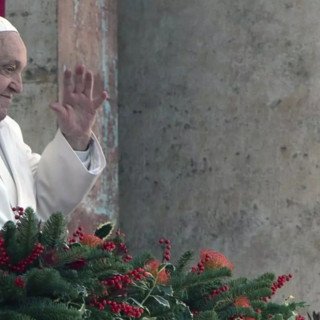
219	132
59	34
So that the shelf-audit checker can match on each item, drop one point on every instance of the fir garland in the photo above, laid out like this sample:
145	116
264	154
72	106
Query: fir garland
44	275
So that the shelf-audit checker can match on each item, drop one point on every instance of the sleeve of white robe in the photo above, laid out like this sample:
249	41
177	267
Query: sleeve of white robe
61	178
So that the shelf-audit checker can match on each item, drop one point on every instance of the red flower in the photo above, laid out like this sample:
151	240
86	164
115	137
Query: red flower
214	260
245	303
90	240
152	267
242	302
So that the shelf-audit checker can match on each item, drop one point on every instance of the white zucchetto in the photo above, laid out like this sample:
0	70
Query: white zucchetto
5	25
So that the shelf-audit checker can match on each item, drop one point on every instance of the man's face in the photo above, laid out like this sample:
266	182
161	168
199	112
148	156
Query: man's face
13	59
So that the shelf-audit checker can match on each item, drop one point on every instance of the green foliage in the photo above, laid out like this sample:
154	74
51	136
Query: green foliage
9	235
183	261
104	230
9	292
48	282
28	233
140	260
12	315
44	277
53	232
206	315
44	309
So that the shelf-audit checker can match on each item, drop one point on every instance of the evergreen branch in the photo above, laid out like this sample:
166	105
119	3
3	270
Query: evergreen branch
9	234
84	282
64	257
27	234
53	232
267	276
140	260
49	283
9	292
193	279
96	314
104	268
273	308
183	261
193	286
13	315
206	315
233	311
40	308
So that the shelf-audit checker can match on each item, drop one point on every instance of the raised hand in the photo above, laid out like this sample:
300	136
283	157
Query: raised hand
76	115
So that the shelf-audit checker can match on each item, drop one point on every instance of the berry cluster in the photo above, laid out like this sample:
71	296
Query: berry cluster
300	317
122	248
200	266
19	282
22	264
19	212
96	303
4	258
115	307
216	292
108	245
166	245
138	274
31	257
127	309
279	283
76	234
119	281
118	233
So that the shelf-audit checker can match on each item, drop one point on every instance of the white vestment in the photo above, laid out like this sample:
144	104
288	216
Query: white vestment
55	181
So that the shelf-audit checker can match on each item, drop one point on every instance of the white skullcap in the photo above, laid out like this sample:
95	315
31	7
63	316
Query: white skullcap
5	25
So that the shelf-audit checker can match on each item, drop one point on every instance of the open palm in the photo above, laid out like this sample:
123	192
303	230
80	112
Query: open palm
76	115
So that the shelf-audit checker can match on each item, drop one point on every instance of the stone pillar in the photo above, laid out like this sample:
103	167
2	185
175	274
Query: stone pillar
87	33
219	132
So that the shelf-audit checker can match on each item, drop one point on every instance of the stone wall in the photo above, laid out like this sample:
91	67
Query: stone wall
219	132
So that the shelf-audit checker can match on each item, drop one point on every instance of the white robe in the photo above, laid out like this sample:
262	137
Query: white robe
55	181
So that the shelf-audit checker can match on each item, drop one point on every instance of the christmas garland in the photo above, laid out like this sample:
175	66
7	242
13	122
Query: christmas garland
46	275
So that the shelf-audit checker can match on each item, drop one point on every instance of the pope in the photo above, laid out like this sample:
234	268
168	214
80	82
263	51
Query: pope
59	178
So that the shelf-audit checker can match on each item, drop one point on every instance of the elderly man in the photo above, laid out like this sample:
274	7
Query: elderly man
59	178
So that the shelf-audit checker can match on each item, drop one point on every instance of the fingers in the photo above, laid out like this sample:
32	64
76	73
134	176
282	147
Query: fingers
98	101
78	79
88	84
83	81
67	81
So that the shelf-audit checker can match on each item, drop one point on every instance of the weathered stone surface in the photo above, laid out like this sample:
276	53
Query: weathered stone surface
219	132
88	34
